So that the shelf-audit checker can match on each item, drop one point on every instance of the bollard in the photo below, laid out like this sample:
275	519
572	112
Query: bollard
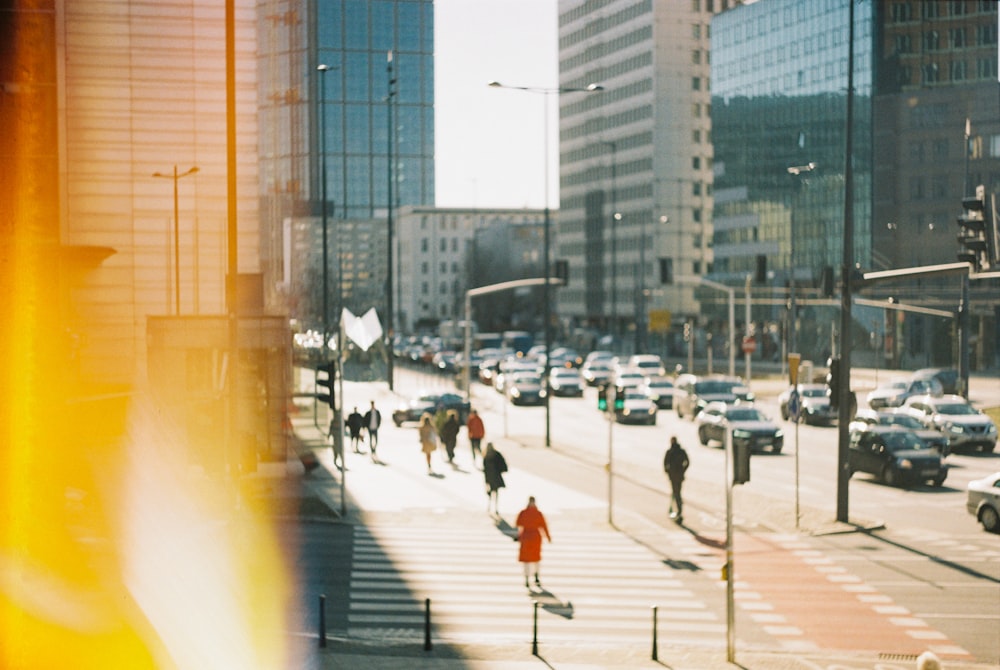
322	621
534	631
427	625
656	655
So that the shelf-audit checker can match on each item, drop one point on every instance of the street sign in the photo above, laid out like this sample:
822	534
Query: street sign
659	320
749	345
793	368
794	407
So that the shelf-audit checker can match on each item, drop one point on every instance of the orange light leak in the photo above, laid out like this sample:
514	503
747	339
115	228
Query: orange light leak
114	552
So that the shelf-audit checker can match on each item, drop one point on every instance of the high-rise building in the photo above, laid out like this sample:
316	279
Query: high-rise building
334	124
635	163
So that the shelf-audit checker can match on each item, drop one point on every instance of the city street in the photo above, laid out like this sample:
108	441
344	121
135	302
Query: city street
923	576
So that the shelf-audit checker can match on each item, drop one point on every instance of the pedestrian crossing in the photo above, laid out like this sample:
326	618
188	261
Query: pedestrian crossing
597	586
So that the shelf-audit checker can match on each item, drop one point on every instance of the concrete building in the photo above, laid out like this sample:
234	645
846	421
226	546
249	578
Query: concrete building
635	162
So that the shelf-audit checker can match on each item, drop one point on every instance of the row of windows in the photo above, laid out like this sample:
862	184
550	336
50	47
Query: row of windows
906	10
958	70
602	50
602	23
425	244
930	40
443	289
425	268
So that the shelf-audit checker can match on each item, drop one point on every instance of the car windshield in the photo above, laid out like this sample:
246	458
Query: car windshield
714	387
745	414
955	409
905	441
634	394
814	393
896	386
660	385
900	420
527	378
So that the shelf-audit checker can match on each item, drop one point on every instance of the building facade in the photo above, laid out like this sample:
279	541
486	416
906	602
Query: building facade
334	142
635	162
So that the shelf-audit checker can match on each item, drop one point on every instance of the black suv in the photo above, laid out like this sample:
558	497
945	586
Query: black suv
896	456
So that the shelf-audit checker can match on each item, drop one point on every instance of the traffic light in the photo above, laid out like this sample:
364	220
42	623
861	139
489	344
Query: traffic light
828	281
602	397
619	398
666	271
976	231
760	276
741	462
324	385
833	382
562	271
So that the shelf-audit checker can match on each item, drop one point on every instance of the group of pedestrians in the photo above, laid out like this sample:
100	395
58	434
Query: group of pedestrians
355	422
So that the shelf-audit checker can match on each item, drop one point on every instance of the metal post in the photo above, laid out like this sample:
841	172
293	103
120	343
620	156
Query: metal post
748	355
322	621
388	256
730	597
611	470
656	653
534	630
427	625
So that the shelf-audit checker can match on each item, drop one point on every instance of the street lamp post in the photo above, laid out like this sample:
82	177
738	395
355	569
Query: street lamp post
388	278
177	233
795	171
323	69
615	218
546	291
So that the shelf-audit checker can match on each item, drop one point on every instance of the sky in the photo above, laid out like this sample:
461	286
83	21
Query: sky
490	142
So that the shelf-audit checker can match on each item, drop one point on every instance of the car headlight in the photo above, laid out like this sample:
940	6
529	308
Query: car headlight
990	429
626	411
652	410
542	393
779	433
515	392
904	464
954	428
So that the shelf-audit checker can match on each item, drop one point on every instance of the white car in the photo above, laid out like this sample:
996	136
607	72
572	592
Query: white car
661	390
964	425
566	382
814	405
896	391
983	501
637	407
648	364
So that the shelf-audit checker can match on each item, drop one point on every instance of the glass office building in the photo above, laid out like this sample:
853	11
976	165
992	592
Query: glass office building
340	114
779	110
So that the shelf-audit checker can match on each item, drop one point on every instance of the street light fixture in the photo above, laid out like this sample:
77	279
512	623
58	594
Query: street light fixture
546	291
177	233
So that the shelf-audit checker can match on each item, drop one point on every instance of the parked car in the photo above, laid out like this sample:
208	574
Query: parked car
896	456
648	364
430	403
899	417
660	390
566	382
895	392
638	407
693	393
983	501
814	405
947	377
965	426
750	426
525	388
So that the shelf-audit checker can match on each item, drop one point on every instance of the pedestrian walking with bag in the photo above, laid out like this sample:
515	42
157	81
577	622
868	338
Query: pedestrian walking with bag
449	434
675	464
477	431
494	465
531	527
428	439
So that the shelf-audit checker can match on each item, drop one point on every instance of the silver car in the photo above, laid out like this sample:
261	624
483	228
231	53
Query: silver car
983	501
965	426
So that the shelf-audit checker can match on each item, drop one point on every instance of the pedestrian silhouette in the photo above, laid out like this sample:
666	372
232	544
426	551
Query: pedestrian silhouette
428	439
372	420
494	465
338	444
354	424
531	527
449	434
675	464
476	431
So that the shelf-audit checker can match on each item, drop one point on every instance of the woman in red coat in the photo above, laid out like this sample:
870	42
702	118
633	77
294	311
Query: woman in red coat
530	527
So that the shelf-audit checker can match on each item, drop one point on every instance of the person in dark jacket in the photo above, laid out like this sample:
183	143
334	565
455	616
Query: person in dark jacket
355	422
494	466
372	420
449	434
675	464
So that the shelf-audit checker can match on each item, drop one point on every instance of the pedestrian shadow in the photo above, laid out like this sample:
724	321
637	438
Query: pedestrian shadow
550	603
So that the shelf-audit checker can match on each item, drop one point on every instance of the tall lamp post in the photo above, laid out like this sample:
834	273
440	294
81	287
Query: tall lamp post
546	291
322	68
388	254
615	218
177	233
795	171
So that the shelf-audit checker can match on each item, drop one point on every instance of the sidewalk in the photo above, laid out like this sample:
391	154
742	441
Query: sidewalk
320	498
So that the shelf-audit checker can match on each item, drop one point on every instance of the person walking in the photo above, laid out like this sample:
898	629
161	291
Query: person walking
338	444
531	527
354	424
675	464
428	439
477	431
449	434
372	420
494	465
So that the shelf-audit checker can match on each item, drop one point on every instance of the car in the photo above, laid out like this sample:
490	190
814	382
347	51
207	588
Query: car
896	391
626	378
814	405
965	426
750	426
648	364
661	390
895	455
693	393
430	403
983	501
525	388
598	371
899	417
637	407
508	369
566	357
947	377
566	382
